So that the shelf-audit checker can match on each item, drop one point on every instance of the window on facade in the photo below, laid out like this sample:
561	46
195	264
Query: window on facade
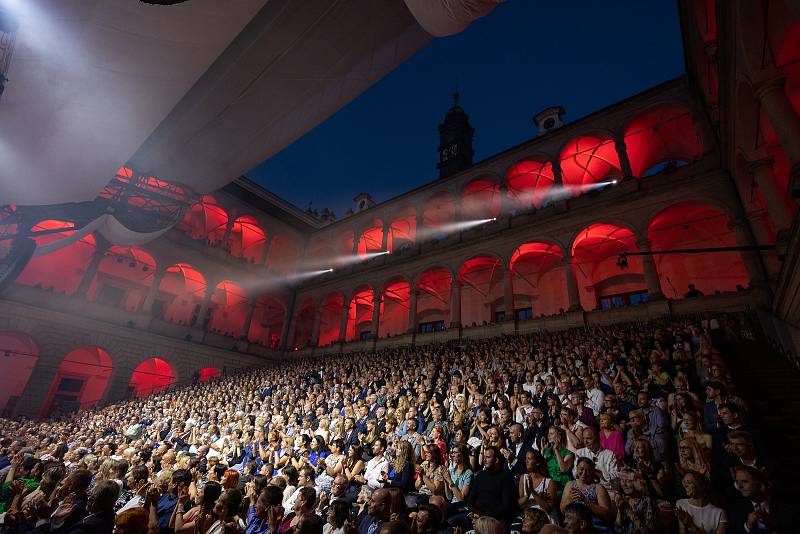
363	336
623	299
499	316
523	314
433	326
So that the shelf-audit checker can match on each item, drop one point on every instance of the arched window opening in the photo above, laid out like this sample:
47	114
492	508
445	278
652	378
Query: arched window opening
539	280
180	295
662	138
19	354
267	323
208	374
587	160
151	376
359	315
601	282
303	325
394	309
229	307
205	219
123	278
433	300
481	281
62	270
80	382
282	256
403	230
686	226
438	212
529	183
330	319
371	239
480	199
248	240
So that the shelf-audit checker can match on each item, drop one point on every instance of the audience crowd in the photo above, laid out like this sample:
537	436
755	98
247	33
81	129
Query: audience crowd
633	428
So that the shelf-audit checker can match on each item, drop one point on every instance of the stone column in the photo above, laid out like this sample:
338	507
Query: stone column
783	118
315	326
91	269
44	372
622	154
265	253
751	258
420	225
650	272
412	311
558	177
508	294
248	318
152	292
377	297
356	239
455	303
228	230
572	286
287	328
385	236
779	212
201	314
760	224
343	320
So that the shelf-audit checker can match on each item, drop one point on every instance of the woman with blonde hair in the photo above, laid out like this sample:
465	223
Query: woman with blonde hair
487	525
403	466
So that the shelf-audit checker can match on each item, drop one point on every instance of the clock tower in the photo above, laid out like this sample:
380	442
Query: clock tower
455	141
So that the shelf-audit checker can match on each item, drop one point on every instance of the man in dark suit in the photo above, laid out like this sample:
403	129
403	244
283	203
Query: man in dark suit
101	510
515	451
756	510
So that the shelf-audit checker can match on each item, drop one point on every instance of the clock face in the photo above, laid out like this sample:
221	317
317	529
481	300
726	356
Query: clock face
449	152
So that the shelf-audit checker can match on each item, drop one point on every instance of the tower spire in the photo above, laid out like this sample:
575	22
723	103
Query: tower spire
455	140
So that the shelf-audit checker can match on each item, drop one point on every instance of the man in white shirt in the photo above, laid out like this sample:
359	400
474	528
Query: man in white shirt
376	474
594	396
305	480
604	460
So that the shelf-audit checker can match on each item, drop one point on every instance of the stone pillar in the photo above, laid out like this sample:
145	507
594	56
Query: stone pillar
385	237
265	253
412	311
776	205
622	154
201	314
356	239
455	303
558	177
248	319
783	118
650	272
315	327
505	202
35	393
760	224
287	328
152	293
343	320
572	286
228	230
420	225
752	260
377	297
508	294
91	269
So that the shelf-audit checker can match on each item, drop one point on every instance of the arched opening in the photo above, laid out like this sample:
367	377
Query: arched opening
433	300
660	138
359	314
80	381
539	280
19	354
403	230
229	307
283	253
480	199
482	301
267	323
62	270
123	278
371	239
686	226
248	240
330	319
587	160
181	294
208	374
394	309
206	219
303	325
601	282
439	211
151	376
529	183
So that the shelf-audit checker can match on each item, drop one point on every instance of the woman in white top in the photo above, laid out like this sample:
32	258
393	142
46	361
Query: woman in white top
535	488
225	509
696	514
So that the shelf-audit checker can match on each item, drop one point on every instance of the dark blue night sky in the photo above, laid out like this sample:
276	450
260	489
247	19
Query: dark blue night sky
525	56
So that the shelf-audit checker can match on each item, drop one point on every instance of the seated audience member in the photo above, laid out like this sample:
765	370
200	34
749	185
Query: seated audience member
696	513
637	511
262	515
587	490
493	491
604	459
100	507
755	510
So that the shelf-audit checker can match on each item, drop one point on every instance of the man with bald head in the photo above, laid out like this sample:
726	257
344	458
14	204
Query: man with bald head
378	512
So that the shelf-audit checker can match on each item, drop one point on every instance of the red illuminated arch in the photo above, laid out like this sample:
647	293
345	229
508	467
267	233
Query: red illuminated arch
359	314
303	325
283	254
80	381
439	210
480	199
206	219
394	309
529	183
589	159
433	298
181	293
688	225
207	374
248	240
267	322
62	270
539	279
229	307
595	251
151	376
481	281
661	134
123	278
403	228
19	354
371	239
330	319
